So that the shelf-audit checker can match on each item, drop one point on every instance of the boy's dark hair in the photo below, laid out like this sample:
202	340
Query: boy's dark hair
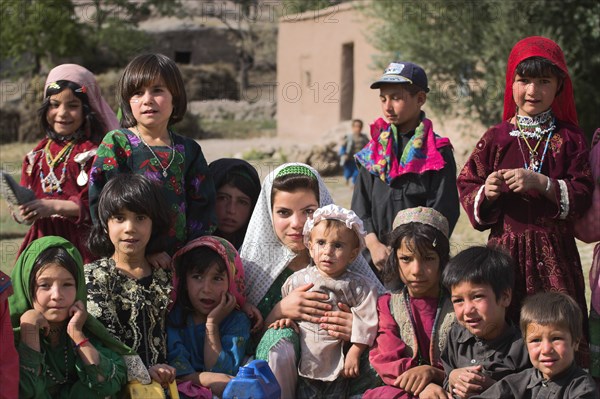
420	238
481	265
537	67
197	260
135	193
292	182
53	255
357	121
552	308
141	72
91	126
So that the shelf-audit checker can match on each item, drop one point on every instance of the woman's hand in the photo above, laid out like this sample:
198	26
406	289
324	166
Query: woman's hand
160	260
303	305
379	252
225	306
163	374
338	323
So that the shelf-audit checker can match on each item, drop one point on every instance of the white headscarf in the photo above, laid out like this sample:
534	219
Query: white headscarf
264	256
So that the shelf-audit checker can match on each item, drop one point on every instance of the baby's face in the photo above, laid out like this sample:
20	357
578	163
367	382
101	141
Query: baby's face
333	248
551	348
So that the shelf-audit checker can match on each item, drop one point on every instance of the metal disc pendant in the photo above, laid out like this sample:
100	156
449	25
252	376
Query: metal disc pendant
82	178
164	173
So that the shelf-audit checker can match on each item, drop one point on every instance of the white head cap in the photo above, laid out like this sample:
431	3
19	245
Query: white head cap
335	212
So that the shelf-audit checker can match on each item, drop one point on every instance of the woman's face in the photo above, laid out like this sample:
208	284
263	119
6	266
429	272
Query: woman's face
290	211
55	293
65	113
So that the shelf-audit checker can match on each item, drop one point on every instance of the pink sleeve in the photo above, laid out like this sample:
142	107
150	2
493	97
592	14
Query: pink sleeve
387	355
9	366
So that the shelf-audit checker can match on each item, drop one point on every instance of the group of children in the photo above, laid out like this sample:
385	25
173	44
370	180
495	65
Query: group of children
152	295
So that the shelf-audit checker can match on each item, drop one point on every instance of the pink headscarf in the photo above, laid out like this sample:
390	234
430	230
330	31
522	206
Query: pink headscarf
235	269
536	46
78	74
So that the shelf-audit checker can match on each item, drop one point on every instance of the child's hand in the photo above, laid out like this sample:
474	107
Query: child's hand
33	320
522	180
225	306
493	185
352	362
284	323
215	381
414	380
160	260
468	381
36	209
434	391
78	317
163	374
253	314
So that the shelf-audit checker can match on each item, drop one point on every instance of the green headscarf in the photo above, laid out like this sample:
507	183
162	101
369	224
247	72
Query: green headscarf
21	300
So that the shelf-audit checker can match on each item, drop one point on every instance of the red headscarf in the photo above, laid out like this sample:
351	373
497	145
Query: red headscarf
563	106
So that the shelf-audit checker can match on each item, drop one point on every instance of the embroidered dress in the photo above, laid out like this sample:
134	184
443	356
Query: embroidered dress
404	342
401	171
188	187
132	310
71	170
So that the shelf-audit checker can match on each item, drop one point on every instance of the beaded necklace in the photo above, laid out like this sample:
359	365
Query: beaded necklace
172	147
535	164
53	377
52	183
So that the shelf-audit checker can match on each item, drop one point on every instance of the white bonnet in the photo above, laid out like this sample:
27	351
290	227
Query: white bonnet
335	212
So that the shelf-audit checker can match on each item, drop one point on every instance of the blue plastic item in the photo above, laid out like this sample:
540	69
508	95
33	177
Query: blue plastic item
253	381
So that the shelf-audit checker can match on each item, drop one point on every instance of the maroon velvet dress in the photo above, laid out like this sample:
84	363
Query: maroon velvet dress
536	232
77	229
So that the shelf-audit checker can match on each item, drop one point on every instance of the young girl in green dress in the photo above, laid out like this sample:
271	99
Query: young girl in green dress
64	352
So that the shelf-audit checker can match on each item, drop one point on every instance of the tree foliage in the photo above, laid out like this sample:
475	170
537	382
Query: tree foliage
464	47
97	32
39	29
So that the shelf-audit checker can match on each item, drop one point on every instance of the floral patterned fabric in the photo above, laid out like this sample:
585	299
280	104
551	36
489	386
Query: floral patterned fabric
134	311
380	156
188	187
537	233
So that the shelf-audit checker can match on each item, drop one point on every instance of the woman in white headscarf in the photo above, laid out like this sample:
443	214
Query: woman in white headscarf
273	249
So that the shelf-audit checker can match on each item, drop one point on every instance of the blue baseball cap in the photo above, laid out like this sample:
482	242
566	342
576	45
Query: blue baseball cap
400	72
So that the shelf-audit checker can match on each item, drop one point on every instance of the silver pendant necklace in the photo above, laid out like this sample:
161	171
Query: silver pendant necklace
172	147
